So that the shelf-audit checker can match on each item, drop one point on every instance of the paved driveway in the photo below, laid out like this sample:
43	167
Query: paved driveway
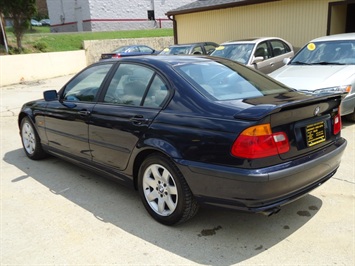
54	213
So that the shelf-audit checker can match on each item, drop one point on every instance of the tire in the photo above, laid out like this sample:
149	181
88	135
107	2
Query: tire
30	140
164	191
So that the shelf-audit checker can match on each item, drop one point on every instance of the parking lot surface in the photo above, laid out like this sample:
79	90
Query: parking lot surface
53	212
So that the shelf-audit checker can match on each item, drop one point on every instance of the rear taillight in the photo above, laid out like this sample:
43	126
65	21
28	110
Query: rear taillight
337	123
259	142
116	56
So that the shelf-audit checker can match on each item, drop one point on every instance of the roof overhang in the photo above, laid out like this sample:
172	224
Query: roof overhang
207	5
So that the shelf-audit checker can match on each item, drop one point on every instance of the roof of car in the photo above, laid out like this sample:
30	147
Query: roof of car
168	59
251	40
335	37
193	43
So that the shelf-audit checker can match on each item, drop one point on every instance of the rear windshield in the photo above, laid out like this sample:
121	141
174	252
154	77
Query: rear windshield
228	80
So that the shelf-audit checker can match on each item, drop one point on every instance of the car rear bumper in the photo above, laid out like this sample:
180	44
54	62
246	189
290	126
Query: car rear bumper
259	190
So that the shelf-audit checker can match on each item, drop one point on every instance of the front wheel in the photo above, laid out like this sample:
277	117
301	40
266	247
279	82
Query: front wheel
30	140
164	191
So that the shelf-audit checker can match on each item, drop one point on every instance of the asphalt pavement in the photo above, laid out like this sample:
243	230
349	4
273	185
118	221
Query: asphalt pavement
53	213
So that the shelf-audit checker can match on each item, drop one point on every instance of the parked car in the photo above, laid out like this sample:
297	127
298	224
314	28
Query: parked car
324	65
35	23
264	54
45	22
190	48
189	131
129	50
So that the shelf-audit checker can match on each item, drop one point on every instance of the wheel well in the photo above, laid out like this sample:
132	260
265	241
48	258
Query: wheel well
139	160
21	116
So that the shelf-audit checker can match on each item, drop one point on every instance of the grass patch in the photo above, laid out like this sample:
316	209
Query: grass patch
39	39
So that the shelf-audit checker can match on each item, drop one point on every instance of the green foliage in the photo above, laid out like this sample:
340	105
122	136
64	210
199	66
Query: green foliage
41	46
21	12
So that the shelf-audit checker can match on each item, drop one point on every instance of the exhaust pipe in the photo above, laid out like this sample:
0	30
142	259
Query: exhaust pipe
271	211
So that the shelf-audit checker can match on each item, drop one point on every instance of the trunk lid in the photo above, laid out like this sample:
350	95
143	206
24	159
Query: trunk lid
308	121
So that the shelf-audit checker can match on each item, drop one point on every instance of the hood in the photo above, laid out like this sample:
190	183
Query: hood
313	77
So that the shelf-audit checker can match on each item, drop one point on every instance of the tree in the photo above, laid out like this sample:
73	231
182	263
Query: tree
21	12
3	37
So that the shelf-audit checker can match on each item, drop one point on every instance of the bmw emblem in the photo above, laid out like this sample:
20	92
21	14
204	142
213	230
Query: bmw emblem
316	111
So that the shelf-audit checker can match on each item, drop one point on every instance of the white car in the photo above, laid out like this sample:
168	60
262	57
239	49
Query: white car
324	65
35	23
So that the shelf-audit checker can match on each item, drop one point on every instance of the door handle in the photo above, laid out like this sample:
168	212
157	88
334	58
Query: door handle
139	120
84	113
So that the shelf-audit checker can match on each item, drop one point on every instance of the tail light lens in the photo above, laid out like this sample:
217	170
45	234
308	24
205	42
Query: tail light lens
116	56
337	123
259	142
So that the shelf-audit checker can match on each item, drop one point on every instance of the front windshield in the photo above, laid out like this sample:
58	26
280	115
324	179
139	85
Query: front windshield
228	81
326	53
236	52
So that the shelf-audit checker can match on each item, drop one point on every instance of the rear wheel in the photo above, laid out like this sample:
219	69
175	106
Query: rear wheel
164	191
30	140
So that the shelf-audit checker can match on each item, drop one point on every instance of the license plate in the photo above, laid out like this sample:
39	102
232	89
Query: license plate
315	133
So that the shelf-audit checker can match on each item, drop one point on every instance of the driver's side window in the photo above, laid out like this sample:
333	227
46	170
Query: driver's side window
85	86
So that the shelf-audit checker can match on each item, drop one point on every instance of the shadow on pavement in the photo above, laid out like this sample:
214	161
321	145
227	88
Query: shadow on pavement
213	236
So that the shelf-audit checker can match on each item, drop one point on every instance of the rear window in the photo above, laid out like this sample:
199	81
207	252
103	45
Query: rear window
228	81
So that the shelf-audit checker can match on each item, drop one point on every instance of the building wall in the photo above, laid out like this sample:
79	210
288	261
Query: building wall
109	15
297	21
31	67
94	48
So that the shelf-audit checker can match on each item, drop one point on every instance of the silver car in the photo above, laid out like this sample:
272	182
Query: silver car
324	65
264	54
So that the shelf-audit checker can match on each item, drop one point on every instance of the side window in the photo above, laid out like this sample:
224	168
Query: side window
209	48
158	92
85	86
145	49
279	47
197	50
128	85
133	49
262	50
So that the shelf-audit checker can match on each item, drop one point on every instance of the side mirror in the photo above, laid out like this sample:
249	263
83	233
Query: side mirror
258	59
286	61
51	95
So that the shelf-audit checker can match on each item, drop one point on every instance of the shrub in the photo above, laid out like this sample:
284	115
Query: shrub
41	45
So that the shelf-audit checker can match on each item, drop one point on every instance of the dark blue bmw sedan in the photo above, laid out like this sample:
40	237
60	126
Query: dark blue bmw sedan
187	131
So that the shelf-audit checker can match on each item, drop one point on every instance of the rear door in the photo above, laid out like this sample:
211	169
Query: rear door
263	50
133	98
280	51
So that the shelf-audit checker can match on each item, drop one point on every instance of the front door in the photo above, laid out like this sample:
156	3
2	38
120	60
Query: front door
67	118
